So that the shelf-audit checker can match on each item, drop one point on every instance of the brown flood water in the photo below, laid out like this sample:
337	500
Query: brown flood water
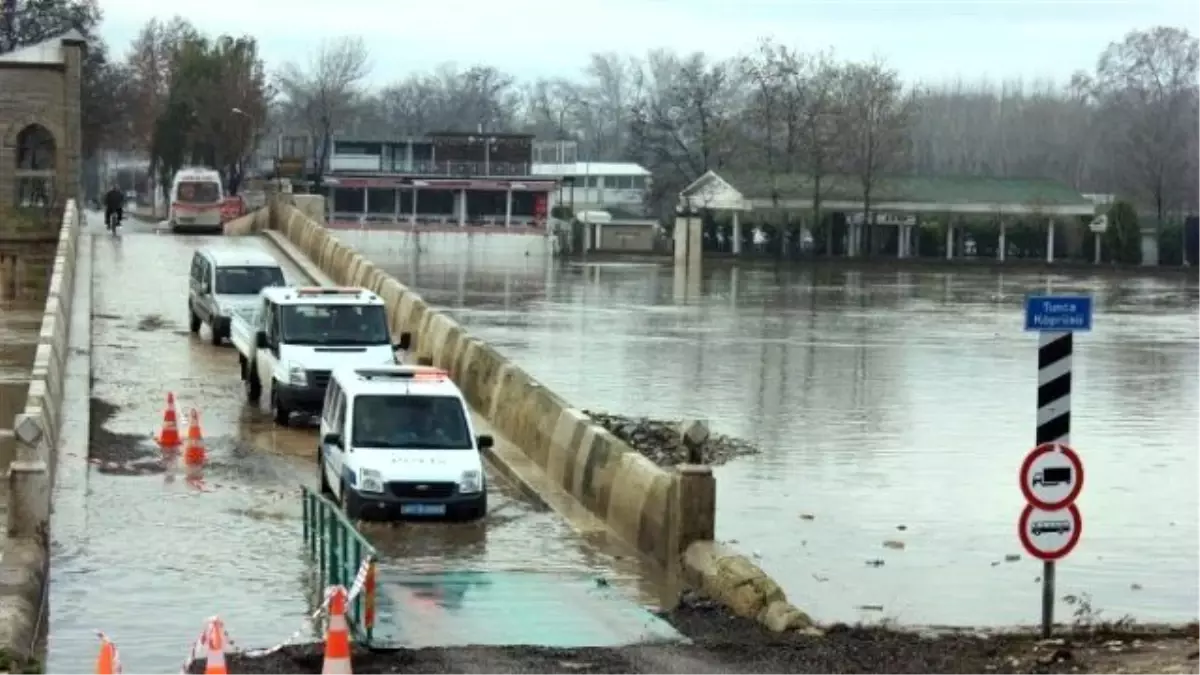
889	406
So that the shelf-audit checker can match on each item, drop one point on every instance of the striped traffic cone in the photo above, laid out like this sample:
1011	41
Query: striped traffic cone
109	661
193	447
168	438
337	635
214	661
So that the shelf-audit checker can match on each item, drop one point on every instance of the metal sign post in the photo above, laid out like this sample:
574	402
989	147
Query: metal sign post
1050	516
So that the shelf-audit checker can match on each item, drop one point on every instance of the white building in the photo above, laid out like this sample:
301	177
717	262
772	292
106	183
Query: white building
598	186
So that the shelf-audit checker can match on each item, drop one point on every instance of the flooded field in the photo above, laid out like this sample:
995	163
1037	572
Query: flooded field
147	556
891	407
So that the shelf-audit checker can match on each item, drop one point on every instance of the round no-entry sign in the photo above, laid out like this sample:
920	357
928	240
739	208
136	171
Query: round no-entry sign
1051	476
1049	535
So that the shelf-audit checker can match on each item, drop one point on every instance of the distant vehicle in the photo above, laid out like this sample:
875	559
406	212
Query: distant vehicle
1041	527
225	281
294	338
1053	475
196	199
397	441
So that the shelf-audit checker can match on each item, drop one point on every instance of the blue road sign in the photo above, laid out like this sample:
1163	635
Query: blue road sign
1063	313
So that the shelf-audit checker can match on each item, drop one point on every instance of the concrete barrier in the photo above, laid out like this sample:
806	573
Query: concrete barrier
658	512
23	567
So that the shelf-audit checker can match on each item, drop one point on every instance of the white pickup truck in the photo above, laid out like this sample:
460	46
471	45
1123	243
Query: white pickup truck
290	342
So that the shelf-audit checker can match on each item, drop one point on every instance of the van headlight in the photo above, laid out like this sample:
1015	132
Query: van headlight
471	481
370	480
297	375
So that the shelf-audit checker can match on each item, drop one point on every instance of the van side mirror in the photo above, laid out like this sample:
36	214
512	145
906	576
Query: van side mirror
485	441
332	438
260	339
405	341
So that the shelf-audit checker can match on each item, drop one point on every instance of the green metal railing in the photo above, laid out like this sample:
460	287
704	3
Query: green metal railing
338	550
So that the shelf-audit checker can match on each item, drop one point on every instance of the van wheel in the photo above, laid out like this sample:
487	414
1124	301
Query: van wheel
193	320
253	387
349	503
282	414
326	491
477	509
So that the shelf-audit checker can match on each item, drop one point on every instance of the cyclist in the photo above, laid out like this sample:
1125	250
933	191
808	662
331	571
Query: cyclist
114	202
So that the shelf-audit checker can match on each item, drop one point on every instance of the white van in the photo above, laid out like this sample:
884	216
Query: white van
397	441
196	198
290	344
226	281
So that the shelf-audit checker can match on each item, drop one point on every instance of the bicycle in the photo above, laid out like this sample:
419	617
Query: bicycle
113	221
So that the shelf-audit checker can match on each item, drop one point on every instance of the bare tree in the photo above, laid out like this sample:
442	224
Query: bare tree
325	92
876	113
816	90
1146	87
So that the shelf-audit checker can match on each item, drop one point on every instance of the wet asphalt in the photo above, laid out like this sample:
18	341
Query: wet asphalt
147	554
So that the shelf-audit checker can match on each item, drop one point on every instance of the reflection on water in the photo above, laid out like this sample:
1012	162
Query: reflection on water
889	406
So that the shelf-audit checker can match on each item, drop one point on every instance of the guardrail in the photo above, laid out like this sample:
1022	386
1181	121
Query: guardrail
338	549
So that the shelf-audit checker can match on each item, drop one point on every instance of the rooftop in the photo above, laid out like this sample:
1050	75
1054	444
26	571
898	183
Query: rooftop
955	194
590	169
243	257
47	52
319	295
387	379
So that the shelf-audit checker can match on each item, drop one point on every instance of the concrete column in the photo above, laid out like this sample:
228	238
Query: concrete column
462	208
901	241
949	240
1002	249
1050	240
366	202
695	506
1099	240
396	217
508	208
412	217
681	242
737	234
28	505
408	158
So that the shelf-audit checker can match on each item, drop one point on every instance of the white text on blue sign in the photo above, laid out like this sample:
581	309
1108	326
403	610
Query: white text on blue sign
1058	313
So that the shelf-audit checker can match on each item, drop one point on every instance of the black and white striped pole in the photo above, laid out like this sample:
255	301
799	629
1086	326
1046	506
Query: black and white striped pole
1052	474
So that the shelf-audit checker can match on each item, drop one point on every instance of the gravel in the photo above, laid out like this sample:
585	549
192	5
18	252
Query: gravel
660	442
722	643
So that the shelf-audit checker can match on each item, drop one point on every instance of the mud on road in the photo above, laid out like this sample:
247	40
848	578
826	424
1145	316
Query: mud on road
722	643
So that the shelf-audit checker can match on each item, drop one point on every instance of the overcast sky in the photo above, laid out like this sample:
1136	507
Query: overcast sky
928	40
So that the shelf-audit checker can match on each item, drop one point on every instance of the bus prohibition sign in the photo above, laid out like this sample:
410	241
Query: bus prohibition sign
1049	535
1051	476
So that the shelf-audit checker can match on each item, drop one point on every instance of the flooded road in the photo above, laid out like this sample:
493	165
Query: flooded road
890	407
146	556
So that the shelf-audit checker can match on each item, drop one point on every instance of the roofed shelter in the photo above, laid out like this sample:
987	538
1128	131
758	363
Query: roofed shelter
899	195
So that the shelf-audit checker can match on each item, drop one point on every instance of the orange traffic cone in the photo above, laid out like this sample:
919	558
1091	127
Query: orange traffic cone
109	661
168	439
214	662
337	635
193	449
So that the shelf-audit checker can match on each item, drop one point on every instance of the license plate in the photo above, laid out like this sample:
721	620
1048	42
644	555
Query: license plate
423	509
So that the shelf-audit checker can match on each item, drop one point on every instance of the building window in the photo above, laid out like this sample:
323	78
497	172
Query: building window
591	181
35	149
35	168
638	182
34	192
295	146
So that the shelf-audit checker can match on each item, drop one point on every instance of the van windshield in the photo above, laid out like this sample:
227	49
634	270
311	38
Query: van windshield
199	192
410	422
334	325
247	280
